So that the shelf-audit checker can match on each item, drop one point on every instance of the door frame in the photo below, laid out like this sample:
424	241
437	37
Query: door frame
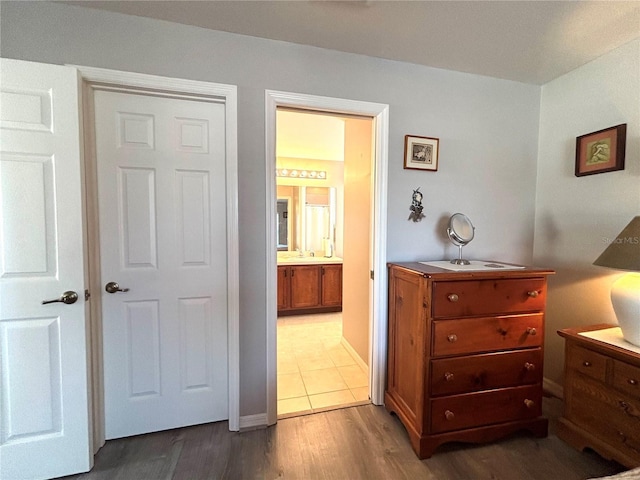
106	79
378	298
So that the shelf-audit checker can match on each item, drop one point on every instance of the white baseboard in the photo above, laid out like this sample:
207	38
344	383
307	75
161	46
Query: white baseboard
253	422
553	388
361	363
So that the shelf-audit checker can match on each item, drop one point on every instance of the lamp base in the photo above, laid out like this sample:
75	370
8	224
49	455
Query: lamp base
625	298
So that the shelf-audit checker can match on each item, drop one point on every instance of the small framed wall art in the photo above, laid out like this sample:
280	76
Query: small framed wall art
421	153
601	151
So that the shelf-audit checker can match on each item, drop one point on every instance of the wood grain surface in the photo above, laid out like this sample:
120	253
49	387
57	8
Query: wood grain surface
364	442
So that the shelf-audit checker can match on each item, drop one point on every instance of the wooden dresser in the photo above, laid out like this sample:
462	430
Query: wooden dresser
465	353
601	397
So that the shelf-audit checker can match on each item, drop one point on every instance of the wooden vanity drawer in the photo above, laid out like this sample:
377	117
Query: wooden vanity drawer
626	378
484	372
486	297
485	408
587	362
488	334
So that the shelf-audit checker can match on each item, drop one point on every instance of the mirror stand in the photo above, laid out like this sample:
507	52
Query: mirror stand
460	231
460	260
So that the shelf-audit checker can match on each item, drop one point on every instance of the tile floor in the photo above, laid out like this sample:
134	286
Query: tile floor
315	372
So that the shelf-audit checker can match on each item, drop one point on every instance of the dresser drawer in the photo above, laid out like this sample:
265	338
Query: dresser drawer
484	372
587	362
613	417
485	297
485	408
488	334
626	378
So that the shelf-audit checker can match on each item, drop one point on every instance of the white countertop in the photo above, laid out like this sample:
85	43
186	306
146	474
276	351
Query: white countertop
296	260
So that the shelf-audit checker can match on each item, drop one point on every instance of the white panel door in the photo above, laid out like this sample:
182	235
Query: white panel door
162	204
44	412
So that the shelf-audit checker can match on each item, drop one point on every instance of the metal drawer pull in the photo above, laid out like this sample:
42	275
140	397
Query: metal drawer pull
529	366
453	297
632	381
533	293
449	415
628	409
448	376
586	363
531	331
452	338
529	403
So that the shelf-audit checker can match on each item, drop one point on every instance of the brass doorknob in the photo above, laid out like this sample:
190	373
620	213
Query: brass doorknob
453	297
113	287
529	403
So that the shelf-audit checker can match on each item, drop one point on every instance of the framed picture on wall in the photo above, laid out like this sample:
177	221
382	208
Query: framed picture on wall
601	151
421	153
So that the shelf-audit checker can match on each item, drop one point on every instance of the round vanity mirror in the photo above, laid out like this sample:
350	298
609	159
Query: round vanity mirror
460	232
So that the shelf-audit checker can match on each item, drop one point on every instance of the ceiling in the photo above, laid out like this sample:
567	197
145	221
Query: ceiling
527	41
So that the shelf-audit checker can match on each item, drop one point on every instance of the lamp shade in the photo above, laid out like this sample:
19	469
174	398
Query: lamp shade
624	252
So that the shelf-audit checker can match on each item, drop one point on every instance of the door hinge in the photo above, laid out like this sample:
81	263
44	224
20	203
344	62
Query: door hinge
87	295
371	274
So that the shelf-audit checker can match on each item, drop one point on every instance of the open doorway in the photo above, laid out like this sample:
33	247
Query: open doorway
324	164
369	347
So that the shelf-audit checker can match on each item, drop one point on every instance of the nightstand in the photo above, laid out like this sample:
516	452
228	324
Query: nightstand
601	393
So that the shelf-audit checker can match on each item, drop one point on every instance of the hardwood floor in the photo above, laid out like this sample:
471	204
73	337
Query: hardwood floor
363	442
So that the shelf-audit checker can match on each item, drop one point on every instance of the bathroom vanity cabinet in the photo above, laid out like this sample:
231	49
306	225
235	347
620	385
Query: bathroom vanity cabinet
312	288
465	353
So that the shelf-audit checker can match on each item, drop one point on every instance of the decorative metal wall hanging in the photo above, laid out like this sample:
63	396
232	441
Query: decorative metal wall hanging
416	206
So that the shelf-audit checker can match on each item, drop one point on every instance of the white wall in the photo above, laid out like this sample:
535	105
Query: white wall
576	215
356	280
488	132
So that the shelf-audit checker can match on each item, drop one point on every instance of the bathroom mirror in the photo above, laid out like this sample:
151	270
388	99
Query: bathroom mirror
310	218
283	225
460	231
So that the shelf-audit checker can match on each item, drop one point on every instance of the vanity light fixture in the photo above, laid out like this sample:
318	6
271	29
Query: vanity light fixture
294	173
